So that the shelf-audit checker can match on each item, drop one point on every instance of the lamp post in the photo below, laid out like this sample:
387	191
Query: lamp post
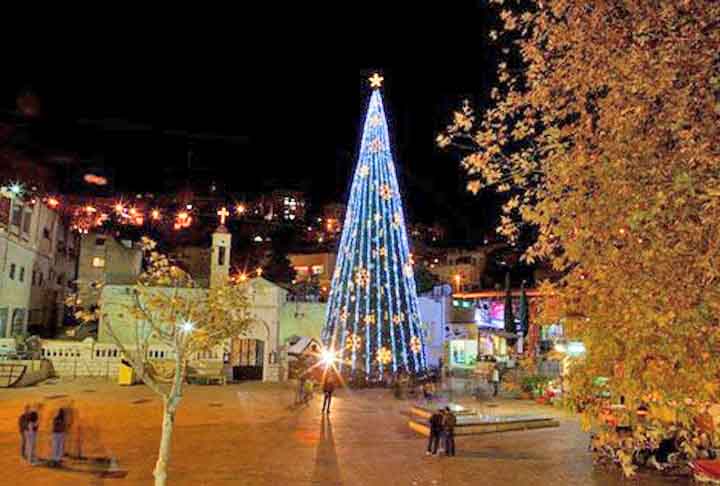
458	282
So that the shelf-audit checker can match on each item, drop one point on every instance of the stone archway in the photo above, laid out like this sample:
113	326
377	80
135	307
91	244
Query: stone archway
249	353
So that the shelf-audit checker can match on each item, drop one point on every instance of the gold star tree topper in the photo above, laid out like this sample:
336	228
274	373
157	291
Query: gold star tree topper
376	81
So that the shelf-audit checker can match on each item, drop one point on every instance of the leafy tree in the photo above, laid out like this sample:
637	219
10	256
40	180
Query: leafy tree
604	135
425	280
279	269
165	307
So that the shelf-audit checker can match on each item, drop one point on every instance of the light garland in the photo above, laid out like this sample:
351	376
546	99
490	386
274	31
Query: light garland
373	306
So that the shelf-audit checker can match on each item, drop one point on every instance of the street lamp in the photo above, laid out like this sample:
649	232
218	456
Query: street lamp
458	280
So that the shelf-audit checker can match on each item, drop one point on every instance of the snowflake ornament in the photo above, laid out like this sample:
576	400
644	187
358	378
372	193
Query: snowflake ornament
397	219
408	270
362	277
383	356
353	342
376	146
415	344
364	171
386	192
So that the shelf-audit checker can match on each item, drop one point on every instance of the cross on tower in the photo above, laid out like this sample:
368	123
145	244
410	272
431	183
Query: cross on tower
223	213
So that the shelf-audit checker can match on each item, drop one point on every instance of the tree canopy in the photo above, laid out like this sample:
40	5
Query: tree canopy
604	134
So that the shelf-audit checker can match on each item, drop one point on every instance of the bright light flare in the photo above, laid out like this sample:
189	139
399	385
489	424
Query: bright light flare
187	326
328	357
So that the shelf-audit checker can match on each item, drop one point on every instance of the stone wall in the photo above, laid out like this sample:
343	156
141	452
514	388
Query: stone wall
302	319
72	359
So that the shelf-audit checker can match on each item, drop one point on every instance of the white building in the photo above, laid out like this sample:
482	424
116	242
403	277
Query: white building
254	355
435	310
38	259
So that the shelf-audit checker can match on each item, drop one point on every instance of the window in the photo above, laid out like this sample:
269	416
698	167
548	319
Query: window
22	274
99	241
27	219
98	262
60	279
46	233
221	256
3	321
317	269
18	322
12	271
40	278
16	217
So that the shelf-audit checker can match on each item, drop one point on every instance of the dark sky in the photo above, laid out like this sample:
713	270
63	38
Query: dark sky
280	107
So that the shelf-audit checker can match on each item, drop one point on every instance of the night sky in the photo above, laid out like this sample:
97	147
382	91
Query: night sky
281	109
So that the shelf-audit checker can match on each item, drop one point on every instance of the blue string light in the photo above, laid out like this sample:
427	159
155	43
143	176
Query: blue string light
372	315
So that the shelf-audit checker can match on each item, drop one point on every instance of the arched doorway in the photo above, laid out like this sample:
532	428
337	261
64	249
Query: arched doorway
247	358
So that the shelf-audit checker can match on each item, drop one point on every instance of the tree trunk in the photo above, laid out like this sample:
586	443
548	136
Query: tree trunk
160	473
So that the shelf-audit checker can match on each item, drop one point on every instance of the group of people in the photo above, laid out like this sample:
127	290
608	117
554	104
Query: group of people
442	431
29	425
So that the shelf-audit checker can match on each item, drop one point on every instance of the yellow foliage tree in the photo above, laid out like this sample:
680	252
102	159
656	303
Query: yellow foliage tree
605	134
167	308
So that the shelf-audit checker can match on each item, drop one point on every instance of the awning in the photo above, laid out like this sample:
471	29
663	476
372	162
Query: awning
303	345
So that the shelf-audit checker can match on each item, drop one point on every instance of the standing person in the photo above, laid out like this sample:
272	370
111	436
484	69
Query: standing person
496	380
22	426
436	420
301	390
59	429
449	422
328	389
31	428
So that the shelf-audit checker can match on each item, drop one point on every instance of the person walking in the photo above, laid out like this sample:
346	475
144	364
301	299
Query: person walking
495	380
436	424
301	390
22	425
328	389
58	438
449	422
31	428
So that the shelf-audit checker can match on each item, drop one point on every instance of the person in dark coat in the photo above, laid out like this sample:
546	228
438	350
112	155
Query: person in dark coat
31	428
328	389
436	425
449	422
58	437
22	426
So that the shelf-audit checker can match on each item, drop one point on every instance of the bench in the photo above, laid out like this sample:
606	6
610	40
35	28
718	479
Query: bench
207	372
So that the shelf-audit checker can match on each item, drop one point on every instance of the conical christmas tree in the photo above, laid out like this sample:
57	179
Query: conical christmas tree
372	319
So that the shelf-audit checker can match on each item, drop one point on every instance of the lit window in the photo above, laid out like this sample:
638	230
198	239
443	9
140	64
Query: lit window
302	270
98	262
317	269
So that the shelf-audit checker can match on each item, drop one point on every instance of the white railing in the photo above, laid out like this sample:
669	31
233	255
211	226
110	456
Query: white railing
89	358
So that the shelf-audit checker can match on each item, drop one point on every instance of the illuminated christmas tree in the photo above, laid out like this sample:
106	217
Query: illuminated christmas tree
372	319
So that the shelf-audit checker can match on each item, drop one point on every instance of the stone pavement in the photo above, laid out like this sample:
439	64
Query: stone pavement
249	435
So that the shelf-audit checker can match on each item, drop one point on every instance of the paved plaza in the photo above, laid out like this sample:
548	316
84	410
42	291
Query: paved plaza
251	435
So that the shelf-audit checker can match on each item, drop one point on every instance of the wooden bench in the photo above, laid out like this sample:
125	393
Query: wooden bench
207	372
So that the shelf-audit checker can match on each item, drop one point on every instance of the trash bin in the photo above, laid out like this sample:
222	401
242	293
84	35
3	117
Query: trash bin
126	374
